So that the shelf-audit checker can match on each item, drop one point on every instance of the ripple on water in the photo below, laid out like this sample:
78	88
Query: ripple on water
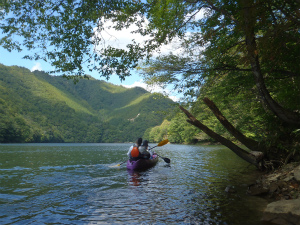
76	185
11	197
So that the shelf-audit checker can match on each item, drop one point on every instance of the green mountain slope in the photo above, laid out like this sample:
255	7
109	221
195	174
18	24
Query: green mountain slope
37	107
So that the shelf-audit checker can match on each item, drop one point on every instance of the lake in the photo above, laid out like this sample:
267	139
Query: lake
78	184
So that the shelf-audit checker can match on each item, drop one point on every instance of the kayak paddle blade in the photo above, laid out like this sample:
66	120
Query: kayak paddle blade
167	160
163	142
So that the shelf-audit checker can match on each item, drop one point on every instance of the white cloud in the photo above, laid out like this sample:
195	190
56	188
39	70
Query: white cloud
198	14
174	98
153	89
118	38
121	38
137	84
37	66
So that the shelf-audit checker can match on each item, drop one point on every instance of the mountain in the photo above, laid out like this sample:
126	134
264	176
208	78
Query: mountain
37	107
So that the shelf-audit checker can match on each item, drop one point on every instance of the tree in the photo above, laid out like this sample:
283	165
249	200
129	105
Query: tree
246	44
68	33
239	38
286	21
250	45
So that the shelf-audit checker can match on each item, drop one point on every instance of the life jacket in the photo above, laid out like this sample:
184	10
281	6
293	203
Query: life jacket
135	152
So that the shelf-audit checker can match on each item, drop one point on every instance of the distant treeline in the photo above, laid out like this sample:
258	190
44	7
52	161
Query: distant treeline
37	107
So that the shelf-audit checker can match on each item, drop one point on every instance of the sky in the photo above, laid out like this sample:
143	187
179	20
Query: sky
135	80
15	58
112	37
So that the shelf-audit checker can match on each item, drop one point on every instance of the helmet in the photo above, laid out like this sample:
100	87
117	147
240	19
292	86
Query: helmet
145	143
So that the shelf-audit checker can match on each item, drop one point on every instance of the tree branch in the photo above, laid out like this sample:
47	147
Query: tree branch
248	142
287	116
237	150
286	73
222	11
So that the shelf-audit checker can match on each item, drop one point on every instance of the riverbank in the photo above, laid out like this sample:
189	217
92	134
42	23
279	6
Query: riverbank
281	188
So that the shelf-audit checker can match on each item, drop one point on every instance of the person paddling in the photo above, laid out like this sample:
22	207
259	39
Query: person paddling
143	149
133	152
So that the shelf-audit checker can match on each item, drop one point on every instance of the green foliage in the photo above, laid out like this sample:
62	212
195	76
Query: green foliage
176	130
243	55
219	63
65	34
37	107
158	133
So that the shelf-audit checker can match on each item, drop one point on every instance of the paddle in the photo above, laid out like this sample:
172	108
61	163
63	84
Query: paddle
119	163
160	144
167	160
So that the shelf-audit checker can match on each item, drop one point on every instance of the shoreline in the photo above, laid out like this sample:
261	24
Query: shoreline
281	189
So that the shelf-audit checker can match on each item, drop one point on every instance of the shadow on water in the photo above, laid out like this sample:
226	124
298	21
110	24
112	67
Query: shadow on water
74	184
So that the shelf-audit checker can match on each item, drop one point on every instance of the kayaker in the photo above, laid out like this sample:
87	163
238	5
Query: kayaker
133	152
143	149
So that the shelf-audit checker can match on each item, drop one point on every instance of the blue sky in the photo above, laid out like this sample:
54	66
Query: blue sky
15	58
119	39
114	38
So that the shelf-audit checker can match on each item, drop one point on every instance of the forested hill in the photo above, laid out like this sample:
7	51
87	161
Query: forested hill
37	107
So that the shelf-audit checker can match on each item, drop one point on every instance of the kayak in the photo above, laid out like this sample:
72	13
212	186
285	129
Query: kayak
142	164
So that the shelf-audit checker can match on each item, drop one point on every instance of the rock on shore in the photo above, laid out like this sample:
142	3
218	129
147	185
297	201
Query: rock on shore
284	212
281	187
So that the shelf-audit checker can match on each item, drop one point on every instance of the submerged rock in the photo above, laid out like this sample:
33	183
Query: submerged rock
230	189
284	212
257	190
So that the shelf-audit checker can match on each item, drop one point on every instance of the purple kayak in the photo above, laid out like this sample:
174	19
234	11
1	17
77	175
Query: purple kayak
142	164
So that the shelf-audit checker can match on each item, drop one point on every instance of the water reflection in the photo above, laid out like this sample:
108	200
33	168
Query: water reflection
73	184
134	178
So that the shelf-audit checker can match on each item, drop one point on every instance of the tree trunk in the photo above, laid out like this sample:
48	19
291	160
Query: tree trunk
289	117
251	158
248	142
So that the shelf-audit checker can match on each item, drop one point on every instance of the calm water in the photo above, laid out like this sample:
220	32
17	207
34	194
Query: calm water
76	184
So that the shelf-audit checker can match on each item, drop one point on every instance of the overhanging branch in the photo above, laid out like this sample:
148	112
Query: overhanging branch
248	142
236	149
